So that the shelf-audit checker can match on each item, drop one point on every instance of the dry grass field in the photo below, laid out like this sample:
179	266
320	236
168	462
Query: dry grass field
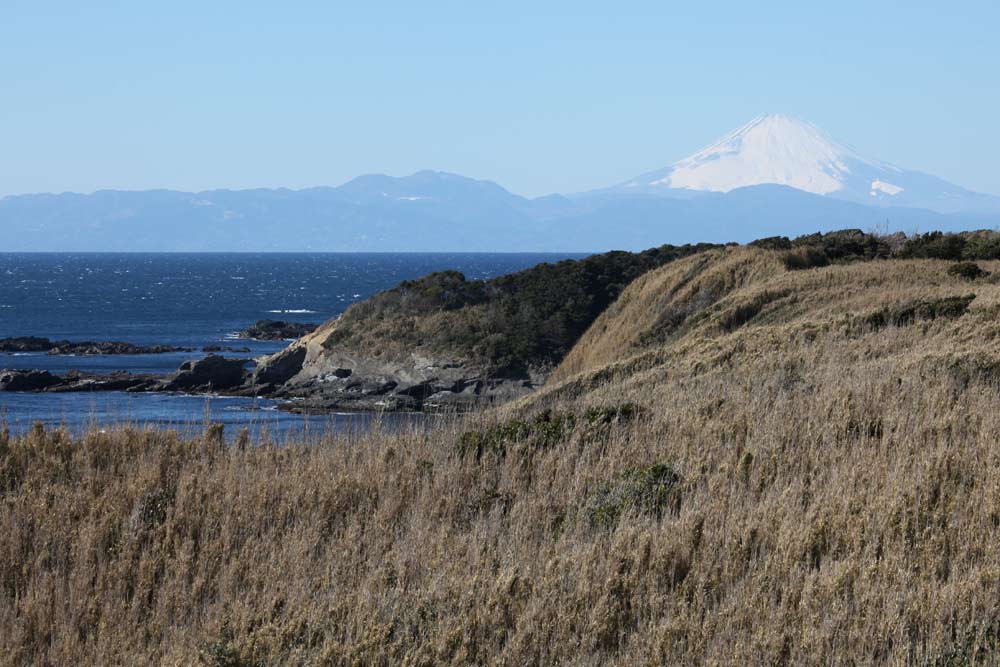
738	464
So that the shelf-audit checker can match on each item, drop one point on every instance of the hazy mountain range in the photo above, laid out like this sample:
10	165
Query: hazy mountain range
775	175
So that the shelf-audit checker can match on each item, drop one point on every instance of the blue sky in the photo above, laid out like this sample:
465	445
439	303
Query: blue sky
556	98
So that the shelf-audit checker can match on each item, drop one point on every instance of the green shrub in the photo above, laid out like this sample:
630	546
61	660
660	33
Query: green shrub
805	258
934	245
846	245
982	245
772	243
542	431
967	271
650	490
902	315
611	414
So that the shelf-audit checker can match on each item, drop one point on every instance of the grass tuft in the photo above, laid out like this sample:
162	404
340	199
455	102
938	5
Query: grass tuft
648	490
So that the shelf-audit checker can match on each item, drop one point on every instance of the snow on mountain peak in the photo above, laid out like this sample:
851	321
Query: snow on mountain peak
772	148
776	149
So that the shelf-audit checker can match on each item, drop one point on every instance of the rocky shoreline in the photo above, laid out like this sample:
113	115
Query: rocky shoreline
218	375
314	379
359	389
347	382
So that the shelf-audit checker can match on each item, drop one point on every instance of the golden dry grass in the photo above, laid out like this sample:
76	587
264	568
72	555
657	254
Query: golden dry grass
688	307
835	499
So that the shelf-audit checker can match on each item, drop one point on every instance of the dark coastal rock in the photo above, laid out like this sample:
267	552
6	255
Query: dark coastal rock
209	374
225	348
27	380
83	348
281	368
420	391
75	381
277	330
111	347
25	344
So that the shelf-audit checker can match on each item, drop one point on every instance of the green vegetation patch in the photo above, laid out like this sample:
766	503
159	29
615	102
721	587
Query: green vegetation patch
650	490
840	247
964	246
853	245
801	259
967	271
611	414
542	431
920	310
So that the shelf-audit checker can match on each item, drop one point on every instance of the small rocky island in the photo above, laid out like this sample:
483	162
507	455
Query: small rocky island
82	348
277	330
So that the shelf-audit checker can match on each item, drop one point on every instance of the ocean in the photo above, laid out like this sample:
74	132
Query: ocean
191	300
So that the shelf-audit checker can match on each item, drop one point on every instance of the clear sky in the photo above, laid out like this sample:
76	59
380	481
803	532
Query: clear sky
539	96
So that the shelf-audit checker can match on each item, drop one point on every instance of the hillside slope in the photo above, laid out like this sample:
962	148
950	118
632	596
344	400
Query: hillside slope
445	340
740	305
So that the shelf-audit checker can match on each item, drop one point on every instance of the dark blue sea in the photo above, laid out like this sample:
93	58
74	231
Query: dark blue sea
190	300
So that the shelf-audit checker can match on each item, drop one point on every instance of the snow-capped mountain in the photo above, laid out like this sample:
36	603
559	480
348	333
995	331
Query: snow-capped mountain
780	150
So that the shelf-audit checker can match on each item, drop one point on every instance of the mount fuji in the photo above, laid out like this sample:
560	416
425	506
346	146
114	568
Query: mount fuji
776	149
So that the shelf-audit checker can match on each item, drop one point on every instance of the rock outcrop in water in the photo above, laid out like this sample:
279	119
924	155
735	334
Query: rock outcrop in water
73	381
211	374
27	380
82	348
277	330
25	344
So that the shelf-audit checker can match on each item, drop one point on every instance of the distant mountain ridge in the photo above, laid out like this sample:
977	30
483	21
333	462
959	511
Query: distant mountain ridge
773	176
